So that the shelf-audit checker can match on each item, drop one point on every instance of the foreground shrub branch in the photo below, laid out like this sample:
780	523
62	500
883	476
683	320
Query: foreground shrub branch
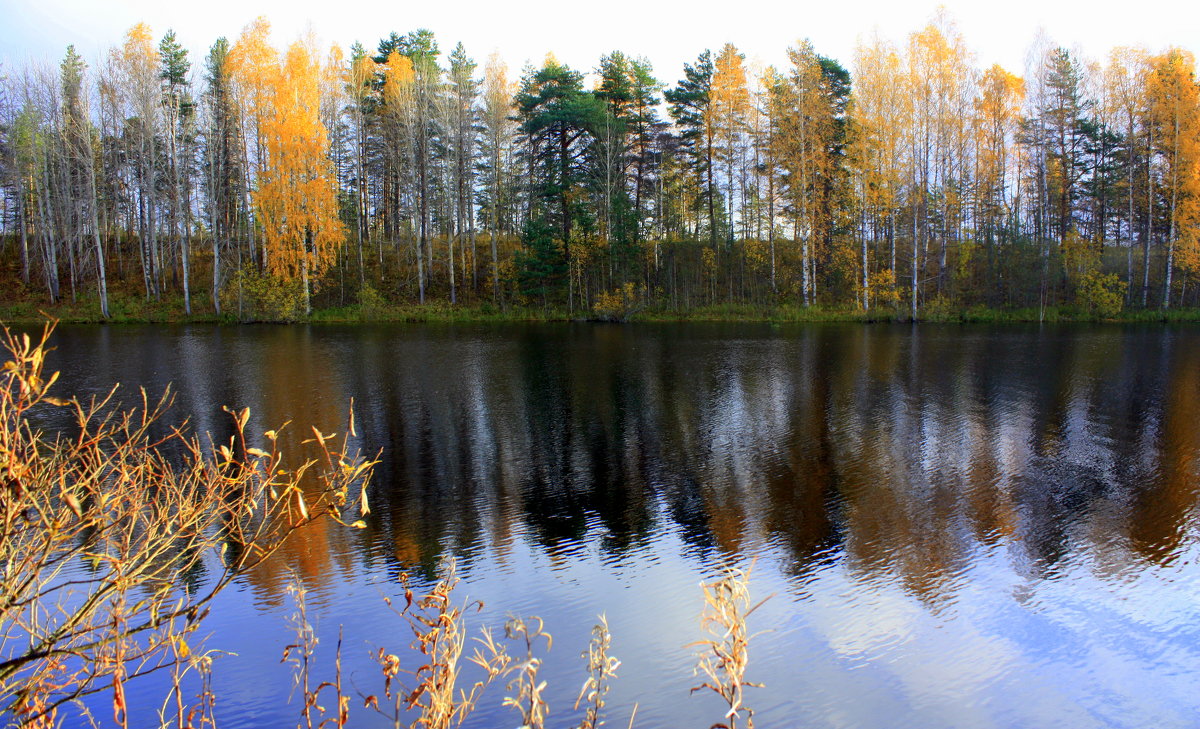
98	527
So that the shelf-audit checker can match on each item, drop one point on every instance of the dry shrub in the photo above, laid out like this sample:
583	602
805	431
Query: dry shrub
300	654
433	698
526	686
98	525
439	635
725	655
601	668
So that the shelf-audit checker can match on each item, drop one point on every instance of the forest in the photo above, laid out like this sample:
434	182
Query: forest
269	183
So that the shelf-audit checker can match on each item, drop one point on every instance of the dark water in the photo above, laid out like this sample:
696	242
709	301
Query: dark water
961	527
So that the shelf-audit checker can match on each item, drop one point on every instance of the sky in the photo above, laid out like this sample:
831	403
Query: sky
578	33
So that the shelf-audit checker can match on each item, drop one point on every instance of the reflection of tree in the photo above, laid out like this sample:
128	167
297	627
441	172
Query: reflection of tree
1160	512
902	449
802	493
294	367
413	388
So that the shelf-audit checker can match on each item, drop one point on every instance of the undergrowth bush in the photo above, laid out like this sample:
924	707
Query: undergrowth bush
252	296
1101	294
371	304
618	304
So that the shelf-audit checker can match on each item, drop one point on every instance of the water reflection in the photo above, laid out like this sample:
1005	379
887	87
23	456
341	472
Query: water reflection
912	475
906	448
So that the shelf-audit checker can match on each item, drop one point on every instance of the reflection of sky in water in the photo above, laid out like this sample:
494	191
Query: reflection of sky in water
961	526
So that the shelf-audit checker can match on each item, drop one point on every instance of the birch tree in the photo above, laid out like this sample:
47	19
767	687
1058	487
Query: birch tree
1175	113
296	193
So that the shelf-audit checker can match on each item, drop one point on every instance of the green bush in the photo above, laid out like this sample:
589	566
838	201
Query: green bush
1103	295
371	304
254	296
939	309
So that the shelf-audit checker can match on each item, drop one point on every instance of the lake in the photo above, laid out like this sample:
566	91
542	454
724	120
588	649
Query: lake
958	526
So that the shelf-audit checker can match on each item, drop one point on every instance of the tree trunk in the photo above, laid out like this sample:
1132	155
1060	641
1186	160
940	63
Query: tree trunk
771	224
423	241
304	272
564	144
101	278
712	215
916	282
866	298
892	240
216	277
450	265
49	248
1170	263
1149	226
152	227
24	239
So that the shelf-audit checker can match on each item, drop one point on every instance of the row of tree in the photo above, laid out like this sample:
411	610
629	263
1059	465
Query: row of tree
399	175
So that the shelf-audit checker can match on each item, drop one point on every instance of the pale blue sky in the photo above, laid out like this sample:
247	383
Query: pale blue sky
578	33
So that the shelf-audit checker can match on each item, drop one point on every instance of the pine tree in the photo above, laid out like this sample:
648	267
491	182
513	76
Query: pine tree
560	121
79	174
689	106
1068	131
727	119
464	89
179	123
225	174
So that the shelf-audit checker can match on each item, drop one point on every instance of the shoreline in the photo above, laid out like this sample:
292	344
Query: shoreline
440	312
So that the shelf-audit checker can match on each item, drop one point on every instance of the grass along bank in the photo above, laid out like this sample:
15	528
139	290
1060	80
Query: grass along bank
135	309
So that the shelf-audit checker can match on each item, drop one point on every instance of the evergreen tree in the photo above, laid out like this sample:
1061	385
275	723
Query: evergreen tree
688	106
541	264
1068	133
224	174
179	113
560	122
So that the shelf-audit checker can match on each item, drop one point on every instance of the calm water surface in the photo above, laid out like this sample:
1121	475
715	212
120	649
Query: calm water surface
961	527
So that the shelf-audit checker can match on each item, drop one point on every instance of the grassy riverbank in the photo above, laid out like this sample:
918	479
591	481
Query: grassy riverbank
136	310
